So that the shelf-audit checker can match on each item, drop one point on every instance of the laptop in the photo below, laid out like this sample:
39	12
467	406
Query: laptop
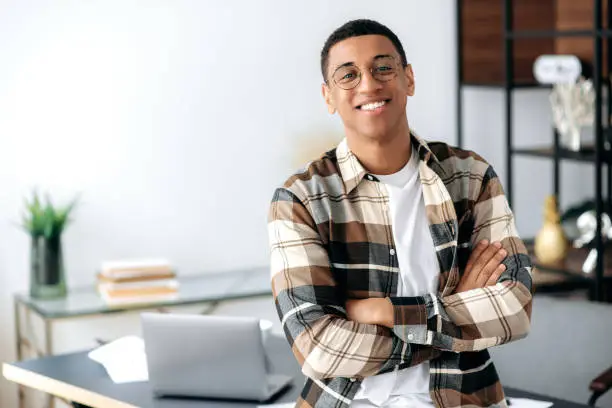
214	357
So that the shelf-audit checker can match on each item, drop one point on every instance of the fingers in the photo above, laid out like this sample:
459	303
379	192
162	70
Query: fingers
496	275
485	257
478	250
484	266
491	267
468	279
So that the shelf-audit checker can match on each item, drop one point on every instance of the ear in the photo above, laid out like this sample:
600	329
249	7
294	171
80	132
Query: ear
409	80
327	95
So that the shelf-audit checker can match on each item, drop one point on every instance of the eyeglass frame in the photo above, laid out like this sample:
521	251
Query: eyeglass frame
395	61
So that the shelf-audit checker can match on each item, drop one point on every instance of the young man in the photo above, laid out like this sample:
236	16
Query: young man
395	262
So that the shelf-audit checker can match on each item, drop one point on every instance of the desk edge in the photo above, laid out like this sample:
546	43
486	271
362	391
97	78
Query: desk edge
60	389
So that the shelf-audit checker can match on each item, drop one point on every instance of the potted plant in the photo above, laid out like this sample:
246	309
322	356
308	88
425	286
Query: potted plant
45	223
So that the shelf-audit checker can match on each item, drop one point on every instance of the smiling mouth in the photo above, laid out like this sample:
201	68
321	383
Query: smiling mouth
374	105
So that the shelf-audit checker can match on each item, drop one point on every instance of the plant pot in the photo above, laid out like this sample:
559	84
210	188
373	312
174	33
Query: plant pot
47	279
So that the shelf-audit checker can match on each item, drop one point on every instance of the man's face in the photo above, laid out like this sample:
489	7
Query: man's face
367	85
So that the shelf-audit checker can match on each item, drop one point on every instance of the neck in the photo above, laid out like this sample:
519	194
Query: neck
382	156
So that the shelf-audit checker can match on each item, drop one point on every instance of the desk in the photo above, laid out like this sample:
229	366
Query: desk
77	378
208	290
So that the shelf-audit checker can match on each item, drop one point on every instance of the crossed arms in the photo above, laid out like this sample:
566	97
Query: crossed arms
328	343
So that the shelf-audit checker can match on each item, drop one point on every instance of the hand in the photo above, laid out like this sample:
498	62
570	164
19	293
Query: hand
484	267
371	311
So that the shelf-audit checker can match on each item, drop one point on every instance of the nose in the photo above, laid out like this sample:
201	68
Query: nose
368	83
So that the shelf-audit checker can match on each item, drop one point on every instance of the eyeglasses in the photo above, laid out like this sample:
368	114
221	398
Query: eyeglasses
348	77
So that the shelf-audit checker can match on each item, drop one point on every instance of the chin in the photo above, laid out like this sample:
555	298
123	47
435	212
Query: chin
374	132
378	135
379	129
371	129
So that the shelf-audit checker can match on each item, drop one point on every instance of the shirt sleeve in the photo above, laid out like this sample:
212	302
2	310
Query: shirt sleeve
479	318
325	343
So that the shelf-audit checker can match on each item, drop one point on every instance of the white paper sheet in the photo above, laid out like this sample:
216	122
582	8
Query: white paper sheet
285	405
124	359
528	403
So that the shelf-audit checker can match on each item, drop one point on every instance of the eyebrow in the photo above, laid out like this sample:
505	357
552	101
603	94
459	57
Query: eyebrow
352	63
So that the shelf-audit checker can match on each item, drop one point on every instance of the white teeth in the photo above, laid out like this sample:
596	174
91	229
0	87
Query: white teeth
372	106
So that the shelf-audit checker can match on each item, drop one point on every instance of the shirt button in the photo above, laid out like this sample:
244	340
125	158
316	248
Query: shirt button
410	336
392	251
370	177
352	380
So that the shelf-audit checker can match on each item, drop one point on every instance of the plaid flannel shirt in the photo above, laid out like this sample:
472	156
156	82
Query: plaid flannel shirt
331	240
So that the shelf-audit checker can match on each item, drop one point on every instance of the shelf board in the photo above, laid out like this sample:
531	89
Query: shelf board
524	34
588	155
551	282
502	86
571	268
527	34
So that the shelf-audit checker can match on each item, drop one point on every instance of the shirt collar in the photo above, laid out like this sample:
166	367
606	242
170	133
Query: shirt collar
352	171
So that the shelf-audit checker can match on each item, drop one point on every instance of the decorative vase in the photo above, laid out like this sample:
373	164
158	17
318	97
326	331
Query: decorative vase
551	244
47	279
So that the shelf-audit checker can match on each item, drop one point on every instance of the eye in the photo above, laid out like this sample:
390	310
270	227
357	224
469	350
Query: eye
346	75
384	69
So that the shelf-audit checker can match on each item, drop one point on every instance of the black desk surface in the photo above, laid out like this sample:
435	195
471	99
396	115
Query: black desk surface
78	370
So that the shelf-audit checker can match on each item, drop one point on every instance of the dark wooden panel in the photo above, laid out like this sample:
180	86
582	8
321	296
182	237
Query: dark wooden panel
578	15
533	15
526	51
482	39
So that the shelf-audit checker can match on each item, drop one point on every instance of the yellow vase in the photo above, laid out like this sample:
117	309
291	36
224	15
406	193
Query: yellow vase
551	244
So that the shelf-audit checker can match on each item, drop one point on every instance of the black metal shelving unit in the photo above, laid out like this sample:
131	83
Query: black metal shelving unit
597	156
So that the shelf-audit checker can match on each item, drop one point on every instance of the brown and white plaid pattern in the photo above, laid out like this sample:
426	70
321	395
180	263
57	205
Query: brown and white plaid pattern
331	240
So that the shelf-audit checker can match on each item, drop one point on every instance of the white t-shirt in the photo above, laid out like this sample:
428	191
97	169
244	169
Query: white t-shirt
418	275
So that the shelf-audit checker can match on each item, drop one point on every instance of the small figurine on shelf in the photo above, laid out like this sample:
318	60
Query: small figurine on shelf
587	225
551	244
573	109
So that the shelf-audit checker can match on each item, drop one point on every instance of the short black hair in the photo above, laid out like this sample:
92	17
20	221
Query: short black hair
356	28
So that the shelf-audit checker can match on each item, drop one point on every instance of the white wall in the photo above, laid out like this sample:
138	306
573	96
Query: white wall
176	119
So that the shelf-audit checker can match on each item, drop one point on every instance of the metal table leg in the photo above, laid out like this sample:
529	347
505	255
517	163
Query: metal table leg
49	350
18	344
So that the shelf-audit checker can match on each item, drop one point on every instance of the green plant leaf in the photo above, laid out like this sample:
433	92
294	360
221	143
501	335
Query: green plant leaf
48	220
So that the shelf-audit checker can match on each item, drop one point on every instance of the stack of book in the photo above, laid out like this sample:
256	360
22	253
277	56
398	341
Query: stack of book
140	281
